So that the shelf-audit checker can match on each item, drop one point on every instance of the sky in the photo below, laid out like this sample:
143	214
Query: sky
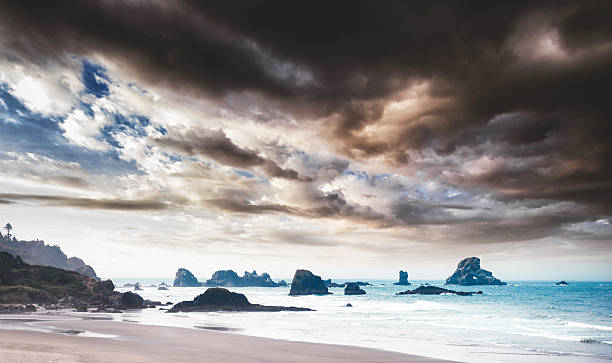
351	138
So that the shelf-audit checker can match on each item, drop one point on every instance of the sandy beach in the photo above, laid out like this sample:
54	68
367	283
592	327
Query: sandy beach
144	343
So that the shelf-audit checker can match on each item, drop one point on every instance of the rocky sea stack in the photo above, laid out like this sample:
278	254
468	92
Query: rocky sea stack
562	283
469	273
353	289
229	278
220	299
403	279
433	290
306	283
184	278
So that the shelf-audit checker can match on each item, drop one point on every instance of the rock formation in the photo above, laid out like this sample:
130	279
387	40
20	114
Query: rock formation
353	289
229	278
403	279
220	299
306	283
329	283
433	290
184	278
561	283
21	283
469	273
38	253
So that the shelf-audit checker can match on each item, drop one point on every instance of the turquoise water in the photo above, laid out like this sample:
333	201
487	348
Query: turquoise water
524	321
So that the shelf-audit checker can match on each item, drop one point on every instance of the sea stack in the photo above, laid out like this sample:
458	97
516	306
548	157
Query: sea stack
469	273
184	278
306	283
353	289
230	278
403	278
561	283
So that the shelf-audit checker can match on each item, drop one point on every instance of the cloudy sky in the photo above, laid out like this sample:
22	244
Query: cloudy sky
351	138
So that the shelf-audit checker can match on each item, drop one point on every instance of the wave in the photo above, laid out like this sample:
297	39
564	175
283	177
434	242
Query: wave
574	324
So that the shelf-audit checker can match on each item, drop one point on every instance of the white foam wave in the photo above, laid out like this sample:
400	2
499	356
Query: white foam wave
574	324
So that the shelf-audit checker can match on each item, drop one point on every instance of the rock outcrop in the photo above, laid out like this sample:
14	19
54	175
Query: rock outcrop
44	285
433	290
306	283
129	300
403	279
353	289
38	253
226	278
329	283
229	278
220	299
469	273
561	283
184	278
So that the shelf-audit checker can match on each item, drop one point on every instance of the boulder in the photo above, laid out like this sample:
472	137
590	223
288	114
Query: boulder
433	290
403	279
162	288
349	305
469	273
184	278
561	283
129	300
220	299
353	289
306	283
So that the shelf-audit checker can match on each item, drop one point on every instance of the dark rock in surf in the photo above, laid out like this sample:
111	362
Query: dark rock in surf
220	299
353	289
433	290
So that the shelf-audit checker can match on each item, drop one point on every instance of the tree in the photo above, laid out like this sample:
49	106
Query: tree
8	228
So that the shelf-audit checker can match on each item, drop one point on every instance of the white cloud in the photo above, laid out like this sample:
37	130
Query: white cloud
81	129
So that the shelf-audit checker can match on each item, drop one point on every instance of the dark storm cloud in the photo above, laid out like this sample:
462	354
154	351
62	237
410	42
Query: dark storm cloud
87	203
217	146
346	60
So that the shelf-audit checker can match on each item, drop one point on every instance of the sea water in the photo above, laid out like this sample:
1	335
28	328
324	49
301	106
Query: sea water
523	321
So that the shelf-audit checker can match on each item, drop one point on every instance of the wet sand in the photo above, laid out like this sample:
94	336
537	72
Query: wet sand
127	342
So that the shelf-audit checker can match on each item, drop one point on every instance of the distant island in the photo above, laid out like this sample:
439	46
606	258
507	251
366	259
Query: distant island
38	253
226	278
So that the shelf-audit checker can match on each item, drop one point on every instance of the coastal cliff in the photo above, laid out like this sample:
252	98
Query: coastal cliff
21	283
38	253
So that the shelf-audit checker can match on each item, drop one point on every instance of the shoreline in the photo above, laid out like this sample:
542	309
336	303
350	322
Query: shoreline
133	342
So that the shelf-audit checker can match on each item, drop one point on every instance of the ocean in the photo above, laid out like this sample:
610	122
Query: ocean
523	321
